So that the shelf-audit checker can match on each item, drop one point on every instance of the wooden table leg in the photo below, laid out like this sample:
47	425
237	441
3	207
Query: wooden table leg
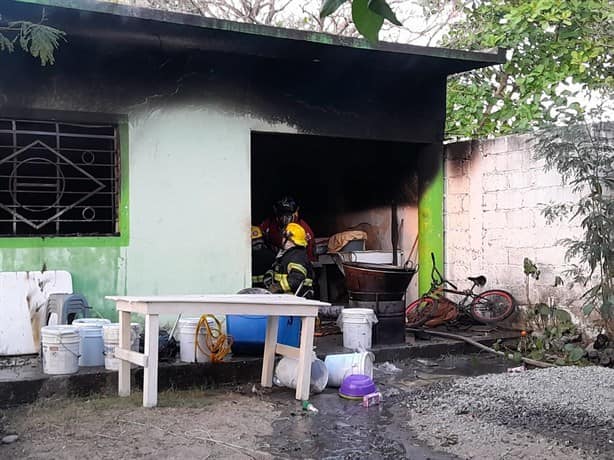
270	344
150	372
304	359
123	385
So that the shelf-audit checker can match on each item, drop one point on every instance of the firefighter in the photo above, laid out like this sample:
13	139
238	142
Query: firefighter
263	257
292	272
286	211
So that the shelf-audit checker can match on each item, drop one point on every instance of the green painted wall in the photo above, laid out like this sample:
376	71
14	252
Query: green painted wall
187	186
430	214
95	271
190	202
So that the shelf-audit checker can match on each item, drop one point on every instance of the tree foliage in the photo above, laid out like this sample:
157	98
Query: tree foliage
584	157
559	53
368	15
37	39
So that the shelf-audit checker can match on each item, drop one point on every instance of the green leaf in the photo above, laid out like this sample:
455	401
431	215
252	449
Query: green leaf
576	354
607	309
588	309
537	354
330	6
39	40
562	316
44	41
544	310
366	21
539	343
383	9
517	357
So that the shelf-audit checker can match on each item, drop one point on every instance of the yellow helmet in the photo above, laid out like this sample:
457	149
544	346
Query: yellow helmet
296	233
256	232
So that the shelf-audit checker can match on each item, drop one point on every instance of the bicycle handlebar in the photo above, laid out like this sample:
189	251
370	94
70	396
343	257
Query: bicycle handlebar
441	279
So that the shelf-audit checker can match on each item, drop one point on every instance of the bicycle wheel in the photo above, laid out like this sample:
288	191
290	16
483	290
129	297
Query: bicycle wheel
492	306
420	311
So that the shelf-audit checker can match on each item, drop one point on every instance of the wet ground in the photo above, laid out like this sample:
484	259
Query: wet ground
345	429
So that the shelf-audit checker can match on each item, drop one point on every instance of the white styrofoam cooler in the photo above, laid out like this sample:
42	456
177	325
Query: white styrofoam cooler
23	297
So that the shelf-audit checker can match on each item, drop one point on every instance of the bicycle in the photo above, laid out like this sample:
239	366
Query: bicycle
487	307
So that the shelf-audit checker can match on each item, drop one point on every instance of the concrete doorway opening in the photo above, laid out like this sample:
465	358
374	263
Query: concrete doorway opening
339	184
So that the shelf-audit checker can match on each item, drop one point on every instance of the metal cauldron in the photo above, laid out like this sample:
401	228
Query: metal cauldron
361	277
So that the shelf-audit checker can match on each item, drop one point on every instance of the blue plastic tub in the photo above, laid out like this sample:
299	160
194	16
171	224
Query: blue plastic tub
248	333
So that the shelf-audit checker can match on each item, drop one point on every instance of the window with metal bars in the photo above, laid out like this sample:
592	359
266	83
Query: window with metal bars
58	179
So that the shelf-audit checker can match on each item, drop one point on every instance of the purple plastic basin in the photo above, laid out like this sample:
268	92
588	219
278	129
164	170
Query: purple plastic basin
357	386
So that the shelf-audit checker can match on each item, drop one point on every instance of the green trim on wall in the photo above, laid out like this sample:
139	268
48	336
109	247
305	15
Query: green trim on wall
430	223
89	241
124	202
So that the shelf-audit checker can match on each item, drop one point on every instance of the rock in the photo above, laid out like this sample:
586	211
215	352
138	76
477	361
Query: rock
388	368
609	352
9	439
391	392
570	339
601	342
450	440
593	355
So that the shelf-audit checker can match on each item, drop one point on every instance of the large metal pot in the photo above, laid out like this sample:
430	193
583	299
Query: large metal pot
360	277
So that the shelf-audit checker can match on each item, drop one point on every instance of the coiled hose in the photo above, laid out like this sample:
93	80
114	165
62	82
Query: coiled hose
217	343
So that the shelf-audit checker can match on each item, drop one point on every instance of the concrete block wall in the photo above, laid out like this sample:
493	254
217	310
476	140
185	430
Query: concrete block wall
495	193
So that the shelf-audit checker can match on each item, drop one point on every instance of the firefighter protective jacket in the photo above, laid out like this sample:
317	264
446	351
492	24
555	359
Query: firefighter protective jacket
292	273
263	259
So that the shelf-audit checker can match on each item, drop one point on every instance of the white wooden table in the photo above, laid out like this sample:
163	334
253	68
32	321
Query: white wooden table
272	306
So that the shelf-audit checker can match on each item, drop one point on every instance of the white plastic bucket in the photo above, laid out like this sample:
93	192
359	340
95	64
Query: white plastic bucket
110	335
356	325
60	349
91	348
286	374
187	336
340	366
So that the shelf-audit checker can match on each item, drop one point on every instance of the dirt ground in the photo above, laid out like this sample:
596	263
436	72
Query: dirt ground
187	425
414	421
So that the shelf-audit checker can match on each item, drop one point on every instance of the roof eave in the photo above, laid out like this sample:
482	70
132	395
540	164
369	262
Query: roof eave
472	59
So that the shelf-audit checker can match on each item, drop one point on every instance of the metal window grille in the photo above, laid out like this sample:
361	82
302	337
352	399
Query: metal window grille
58	179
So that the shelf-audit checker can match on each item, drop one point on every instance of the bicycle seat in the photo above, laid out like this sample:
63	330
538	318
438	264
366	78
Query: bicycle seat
478	280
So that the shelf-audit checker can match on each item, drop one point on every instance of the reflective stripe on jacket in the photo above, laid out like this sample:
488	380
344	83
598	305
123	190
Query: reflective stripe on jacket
292	271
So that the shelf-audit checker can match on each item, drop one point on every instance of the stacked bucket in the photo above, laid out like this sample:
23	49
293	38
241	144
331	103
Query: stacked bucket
88	342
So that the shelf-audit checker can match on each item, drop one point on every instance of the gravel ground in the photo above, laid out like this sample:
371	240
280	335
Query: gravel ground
563	413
